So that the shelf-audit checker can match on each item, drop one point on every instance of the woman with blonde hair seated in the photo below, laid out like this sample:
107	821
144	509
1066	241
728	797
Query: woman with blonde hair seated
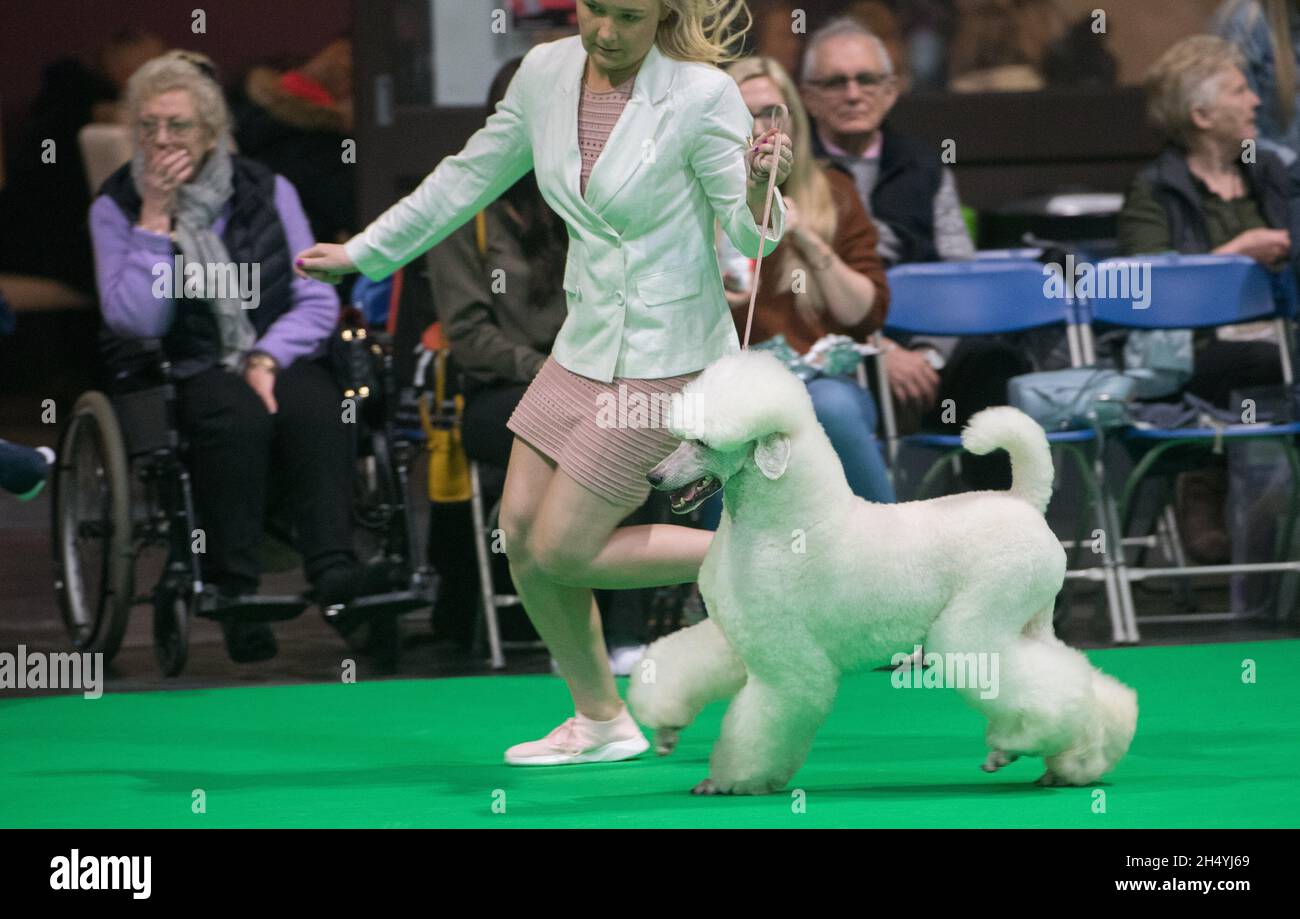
825	278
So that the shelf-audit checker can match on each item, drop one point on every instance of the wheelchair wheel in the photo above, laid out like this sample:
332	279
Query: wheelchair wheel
173	607
93	552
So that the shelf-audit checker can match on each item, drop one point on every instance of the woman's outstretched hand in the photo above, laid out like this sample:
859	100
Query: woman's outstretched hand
326	262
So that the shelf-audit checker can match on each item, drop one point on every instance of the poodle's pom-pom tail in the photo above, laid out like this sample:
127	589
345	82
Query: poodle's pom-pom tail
1110	729
1007	428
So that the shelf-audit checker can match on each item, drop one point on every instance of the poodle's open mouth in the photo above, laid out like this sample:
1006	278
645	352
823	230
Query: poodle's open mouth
687	498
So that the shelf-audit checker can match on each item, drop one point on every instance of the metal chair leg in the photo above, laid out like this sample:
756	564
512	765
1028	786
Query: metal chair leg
485	569
1118	594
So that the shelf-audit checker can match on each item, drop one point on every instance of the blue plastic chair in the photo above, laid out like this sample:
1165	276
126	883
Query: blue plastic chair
1198	292
997	295
990	296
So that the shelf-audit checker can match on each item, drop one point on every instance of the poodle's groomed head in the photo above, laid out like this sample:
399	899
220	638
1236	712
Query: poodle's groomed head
743	406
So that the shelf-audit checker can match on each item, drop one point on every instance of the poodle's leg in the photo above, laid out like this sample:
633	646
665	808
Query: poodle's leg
962	629
1101	737
1056	705
997	759
769	729
1051	702
679	675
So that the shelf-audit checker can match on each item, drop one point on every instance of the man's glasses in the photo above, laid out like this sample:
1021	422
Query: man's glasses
867	81
182	129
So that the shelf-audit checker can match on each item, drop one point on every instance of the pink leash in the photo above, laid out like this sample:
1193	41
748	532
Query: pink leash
778	123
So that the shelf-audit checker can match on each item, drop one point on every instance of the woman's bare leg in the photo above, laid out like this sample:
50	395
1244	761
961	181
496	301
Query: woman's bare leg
578	541
566	617
555	526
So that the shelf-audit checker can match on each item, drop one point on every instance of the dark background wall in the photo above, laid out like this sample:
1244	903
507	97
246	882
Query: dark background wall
34	33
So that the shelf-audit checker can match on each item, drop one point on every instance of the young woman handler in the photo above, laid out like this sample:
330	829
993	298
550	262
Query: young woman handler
639	142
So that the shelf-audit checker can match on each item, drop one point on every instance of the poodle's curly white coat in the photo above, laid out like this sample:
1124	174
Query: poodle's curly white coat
804	582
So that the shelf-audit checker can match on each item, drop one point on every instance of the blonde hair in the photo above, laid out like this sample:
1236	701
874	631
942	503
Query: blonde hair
703	30
187	70
1185	77
806	184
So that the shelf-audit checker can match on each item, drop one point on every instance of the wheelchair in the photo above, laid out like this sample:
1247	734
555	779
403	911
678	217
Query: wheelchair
121	492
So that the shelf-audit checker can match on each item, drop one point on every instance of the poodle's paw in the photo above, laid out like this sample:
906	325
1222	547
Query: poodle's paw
666	740
997	759
1050	779
707	787
735	786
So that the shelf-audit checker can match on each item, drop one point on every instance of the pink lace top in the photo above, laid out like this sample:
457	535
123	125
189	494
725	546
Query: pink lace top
597	115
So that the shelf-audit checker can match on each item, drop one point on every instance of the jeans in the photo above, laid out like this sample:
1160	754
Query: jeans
848	414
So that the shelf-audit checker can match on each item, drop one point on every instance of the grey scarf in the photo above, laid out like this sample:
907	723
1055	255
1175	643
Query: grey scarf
198	204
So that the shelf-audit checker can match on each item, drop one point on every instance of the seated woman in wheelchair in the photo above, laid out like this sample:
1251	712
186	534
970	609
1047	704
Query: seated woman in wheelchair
1203	194
252	397
832	241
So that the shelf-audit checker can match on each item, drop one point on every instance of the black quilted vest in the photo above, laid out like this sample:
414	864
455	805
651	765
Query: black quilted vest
253	235
903	197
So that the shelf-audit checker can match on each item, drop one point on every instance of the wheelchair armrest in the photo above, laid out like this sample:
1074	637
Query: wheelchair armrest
133	363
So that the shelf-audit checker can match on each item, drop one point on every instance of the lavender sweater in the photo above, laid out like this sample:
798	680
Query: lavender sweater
125	256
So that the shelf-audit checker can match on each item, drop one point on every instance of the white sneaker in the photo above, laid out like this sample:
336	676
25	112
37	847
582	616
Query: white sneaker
582	740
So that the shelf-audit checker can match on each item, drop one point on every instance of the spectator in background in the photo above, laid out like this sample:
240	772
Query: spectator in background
830	249
1200	195
252	399
43	205
500	335
295	122
849	86
1267	33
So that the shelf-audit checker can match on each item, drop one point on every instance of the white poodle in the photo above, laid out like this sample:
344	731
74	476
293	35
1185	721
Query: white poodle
805	581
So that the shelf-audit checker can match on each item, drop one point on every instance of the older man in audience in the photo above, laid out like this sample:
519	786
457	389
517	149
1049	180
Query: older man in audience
849	87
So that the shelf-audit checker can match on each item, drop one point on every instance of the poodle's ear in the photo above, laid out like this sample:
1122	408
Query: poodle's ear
772	455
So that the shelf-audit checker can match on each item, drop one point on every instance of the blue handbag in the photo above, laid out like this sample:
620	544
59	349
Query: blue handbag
1083	397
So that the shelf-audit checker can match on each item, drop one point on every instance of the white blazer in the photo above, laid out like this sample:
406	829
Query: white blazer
645	295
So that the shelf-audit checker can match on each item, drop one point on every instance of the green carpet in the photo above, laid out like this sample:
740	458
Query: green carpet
1211	751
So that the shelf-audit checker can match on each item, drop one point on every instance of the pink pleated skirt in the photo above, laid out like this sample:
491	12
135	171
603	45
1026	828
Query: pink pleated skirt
603	443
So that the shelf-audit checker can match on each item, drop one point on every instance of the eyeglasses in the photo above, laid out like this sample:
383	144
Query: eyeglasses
182	129
867	81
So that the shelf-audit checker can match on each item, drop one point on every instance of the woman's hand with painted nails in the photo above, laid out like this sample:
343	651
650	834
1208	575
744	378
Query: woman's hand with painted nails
326	262
761	155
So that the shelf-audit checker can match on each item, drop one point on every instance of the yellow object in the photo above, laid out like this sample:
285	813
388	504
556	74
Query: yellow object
449	480
480	232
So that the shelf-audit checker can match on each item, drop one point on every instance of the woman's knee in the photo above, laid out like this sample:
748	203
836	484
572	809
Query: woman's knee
527	478
516	523
555	556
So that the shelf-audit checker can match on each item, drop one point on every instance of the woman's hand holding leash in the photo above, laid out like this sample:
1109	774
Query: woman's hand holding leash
771	148
760	157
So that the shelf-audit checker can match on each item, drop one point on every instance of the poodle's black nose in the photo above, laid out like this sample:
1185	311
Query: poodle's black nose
654	478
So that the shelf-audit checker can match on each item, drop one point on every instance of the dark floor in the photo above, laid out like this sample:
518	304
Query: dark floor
311	651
